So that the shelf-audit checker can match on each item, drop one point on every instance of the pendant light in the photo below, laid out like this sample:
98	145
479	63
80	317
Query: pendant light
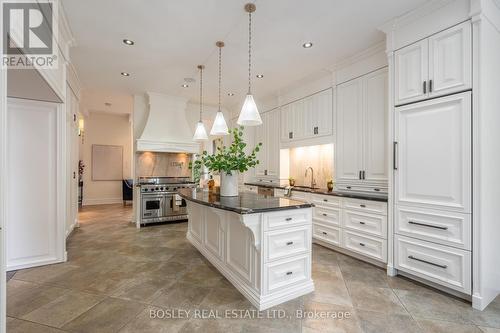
200	134
219	127
249	115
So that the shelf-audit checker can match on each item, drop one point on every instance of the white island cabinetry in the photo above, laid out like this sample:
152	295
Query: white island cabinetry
265	255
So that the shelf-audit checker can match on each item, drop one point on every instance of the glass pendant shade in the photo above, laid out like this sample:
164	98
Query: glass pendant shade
219	127
249	115
200	134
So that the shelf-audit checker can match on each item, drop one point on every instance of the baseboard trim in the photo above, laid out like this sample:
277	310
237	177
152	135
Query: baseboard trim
101	201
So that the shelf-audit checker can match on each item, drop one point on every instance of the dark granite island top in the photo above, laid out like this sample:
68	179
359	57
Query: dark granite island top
245	203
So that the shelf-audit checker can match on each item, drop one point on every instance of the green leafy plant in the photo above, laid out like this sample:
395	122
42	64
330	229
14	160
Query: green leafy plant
228	159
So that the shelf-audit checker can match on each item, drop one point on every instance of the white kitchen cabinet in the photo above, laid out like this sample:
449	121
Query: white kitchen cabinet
435	66
450	59
349	149
411	72
269	136
361	153
433	160
308	117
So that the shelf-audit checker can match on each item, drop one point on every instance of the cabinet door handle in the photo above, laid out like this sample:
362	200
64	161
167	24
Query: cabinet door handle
324	214
430	86
348	187
324	233
363	174
289	273
361	222
362	206
289	243
325	200
288	219
428	262
428	225
425	87
362	244
376	189
290	135
315	130
395	154
359	176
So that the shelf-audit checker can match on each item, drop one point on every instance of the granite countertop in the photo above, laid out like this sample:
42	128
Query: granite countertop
338	193
245	203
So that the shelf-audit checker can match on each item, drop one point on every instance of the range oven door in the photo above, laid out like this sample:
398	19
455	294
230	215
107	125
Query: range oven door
152	206
176	205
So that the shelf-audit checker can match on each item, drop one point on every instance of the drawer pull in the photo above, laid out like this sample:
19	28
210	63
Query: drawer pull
288	219
362	244
362	206
325	233
376	189
325	200
428	262
361	222
325	214
289	273
428	225
289	243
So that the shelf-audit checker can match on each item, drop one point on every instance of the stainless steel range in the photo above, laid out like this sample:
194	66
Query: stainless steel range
160	201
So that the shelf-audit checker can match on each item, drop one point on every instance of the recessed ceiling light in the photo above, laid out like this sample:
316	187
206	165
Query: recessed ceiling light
128	42
125	74
307	45
185	85
260	76
230	94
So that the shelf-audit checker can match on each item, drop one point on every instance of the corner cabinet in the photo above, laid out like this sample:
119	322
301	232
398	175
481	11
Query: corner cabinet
361	149
308	118
438	65
269	153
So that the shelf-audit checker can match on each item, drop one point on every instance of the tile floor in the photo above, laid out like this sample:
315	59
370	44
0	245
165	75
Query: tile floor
116	275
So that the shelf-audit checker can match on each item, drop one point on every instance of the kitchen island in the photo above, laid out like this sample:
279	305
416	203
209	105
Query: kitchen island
261	244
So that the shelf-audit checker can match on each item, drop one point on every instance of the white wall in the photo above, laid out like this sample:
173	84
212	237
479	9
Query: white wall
105	129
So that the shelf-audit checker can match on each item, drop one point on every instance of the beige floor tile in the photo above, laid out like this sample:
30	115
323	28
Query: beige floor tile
145	322
377	322
63	309
181	295
14	286
142	289
108	316
489	317
24	302
489	329
339	319
43	273
436	326
22	326
375	299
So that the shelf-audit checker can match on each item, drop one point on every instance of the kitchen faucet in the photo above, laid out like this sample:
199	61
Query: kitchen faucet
313	181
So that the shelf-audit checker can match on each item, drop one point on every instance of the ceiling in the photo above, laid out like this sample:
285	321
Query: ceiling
172	37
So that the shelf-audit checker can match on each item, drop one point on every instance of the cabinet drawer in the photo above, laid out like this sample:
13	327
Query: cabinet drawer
326	234
368	206
284	273
288	218
301	196
440	264
372	224
445	228
327	216
279	244
326	201
250	188
373	247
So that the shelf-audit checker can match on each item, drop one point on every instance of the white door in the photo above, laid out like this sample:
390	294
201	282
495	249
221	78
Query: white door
434	153
35	167
375	126
298	122
261	136
273	152
322	119
450	60
411	73
309	111
349	154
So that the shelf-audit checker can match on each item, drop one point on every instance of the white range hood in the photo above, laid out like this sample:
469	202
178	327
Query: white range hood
167	129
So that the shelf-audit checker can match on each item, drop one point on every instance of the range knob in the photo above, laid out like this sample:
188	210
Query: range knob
161	188
145	190
157	188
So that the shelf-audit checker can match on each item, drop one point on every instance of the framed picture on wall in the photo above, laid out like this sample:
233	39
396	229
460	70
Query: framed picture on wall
107	162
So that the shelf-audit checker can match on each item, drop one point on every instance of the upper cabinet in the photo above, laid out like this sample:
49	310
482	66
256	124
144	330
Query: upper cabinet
361	149
435	66
269	153
308	118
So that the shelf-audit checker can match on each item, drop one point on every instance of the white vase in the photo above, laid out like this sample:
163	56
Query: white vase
229	184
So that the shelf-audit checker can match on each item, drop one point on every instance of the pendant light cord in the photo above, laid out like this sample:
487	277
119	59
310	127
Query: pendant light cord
201	90
220	75
249	53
